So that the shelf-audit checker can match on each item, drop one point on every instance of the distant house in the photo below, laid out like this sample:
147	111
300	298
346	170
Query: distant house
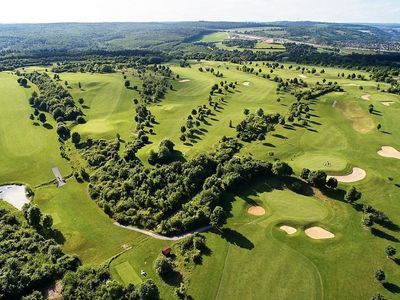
166	251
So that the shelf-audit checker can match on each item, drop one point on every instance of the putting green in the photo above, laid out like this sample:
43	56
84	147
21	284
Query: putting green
325	162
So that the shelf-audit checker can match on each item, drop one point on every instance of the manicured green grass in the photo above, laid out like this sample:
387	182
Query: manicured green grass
108	105
346	138
87	230
254	259
127	273
27	152
215	37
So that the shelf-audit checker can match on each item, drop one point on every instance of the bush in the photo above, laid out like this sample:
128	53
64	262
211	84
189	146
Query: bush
164	266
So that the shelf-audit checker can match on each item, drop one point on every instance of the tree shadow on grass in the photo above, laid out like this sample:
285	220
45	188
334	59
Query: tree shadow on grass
383	235
174	278
280	136
54	234
269	145
391	287
48	126
289	127
396	261
386	132
236	238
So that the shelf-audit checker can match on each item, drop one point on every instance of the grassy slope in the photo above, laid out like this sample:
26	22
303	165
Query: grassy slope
27	152
88	232
110	105
288	267
333	138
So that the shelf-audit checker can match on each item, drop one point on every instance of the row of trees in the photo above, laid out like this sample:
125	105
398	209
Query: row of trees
53	99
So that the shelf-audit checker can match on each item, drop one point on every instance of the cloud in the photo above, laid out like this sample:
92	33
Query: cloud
179	10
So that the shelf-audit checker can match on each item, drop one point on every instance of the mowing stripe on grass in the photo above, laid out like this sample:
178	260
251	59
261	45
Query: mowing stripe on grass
127	273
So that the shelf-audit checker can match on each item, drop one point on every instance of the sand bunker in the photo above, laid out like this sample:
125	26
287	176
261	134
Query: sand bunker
302	76
387	151
184	80
14	194
288	229
356	175
365	97
256	211
246	83
351	84
387	103
318	233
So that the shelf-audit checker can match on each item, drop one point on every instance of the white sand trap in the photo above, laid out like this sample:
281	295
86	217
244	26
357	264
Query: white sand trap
246	83
356	175
14	194
365	97
302	76
387	151
318	233
256	211
184	80
387	103
288	229
351	84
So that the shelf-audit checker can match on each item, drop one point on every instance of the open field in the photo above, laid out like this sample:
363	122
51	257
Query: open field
251	249
27	152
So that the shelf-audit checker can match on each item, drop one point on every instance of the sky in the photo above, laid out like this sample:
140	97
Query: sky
47	11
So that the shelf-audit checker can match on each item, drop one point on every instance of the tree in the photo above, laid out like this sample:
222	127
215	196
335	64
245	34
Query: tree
260	112
304	173
164	266
332	183
378	296
149	291
36	295
261	137
76	138
81	101
317	178
42	117
127	83
63	132
23	82
33	216
280	168
390	251
246	111
379	126
47	221
181	291
217	217
79	85
380	275
352	195
368	221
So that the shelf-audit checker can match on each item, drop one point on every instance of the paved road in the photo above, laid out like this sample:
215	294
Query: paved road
161	237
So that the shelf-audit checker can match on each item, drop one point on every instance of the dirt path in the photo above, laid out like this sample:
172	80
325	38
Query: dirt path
161	237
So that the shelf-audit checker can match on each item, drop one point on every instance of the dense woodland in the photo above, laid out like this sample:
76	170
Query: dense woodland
170	198
29	260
